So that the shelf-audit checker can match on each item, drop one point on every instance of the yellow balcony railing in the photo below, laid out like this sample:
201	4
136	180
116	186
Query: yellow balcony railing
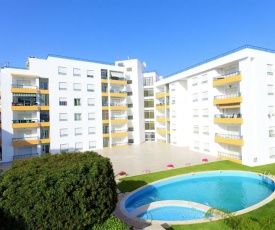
229	139
235	98
231	157
228	119
227	79
27	123
25	141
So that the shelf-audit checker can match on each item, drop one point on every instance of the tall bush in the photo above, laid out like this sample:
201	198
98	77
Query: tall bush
62	191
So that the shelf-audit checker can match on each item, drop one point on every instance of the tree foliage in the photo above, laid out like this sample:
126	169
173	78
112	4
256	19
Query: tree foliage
62	191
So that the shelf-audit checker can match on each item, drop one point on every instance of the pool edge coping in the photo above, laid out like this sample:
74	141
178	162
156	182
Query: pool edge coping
243	211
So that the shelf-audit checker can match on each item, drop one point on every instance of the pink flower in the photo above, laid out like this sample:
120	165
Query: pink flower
170	166
122	173
204	160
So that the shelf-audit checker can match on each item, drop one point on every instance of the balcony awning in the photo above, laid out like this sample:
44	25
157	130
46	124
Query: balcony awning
24	94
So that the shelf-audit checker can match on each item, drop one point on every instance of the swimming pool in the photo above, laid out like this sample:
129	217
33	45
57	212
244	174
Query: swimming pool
229	190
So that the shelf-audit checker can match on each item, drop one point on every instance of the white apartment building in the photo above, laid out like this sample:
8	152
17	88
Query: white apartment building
61	104
223	107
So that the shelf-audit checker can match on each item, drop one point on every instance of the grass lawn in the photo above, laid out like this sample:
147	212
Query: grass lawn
129	184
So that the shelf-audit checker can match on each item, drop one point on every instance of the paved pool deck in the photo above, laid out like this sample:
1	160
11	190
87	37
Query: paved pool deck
153	157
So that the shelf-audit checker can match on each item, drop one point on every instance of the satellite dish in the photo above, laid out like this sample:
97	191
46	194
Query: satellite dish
144	65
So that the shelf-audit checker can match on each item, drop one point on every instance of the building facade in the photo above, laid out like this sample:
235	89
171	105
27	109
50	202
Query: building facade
223	107
60	104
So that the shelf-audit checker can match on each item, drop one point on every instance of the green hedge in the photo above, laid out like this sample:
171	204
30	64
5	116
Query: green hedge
62	191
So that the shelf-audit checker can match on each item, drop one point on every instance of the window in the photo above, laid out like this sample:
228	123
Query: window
173	100
196	145
92	144
205	112
148	92
272	152
62	70
104	74
270	111
78	146
149	125
148	103
129	69
63	132
63	101
77	87
77	116
129	82
269	69
174	113
195	97
62	85
77	102
76	72
196	129
270	89
204	78
206	147
195	113
147	81
271	131
194	81
150	136
90	88
149	114
91	130
91	116
64	148
205	96
205	130
91	101
78	131
172	87
63	116
90	73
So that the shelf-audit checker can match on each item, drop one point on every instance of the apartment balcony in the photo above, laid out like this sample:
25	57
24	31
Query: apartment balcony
16	88
104	79
25	141
161	141
231	157
117	120
162	118
45	140
228	119
24	106
25	156
229	139
118	106
120	133
162	106
44	107
162	94
118	80
120	144
26	123
162	131
228	101
118	93
227	79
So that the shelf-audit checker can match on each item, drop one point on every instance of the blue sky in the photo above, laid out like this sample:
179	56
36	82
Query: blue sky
168	35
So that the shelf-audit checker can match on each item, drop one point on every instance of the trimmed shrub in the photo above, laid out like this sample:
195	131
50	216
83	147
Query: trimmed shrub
62	191
112	223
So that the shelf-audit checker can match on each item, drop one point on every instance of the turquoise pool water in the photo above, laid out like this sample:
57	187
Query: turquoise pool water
172	213
232	191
